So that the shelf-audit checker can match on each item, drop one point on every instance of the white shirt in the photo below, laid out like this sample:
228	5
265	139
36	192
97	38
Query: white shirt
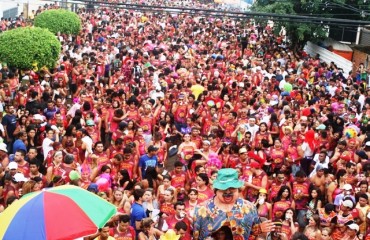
89	143
281	84
46	146
325	164
253	129
307	151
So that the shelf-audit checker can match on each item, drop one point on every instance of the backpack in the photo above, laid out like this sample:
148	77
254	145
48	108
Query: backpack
117	64
137	73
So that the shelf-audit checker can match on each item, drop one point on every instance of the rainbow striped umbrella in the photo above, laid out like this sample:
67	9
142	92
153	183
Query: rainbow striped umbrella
65	212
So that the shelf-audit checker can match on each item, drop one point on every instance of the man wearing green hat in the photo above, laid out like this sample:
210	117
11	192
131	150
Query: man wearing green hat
227	208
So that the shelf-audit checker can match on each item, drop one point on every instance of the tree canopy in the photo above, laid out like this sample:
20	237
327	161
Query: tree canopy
299	32
59	20
29	46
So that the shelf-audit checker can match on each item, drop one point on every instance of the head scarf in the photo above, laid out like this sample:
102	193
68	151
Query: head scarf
310	139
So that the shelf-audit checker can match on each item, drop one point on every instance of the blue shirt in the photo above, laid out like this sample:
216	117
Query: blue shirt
10	121
137	214
19	144
146	161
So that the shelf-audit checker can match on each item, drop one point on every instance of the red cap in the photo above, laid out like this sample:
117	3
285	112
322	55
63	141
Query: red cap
256	157
255	165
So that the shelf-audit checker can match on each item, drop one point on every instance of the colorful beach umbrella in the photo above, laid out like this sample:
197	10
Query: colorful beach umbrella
65	212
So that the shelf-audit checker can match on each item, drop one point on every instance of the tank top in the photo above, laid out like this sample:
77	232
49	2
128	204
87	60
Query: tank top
251	192
205	195
103	159
188	152
178	180
128	235
133	114
258	138
161	152
146	122
277	156
324	217
141	141
279	208
263	211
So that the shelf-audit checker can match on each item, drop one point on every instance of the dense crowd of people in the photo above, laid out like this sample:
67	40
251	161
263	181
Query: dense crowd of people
193	126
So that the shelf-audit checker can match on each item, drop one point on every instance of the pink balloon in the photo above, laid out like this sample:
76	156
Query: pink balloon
106	176
103	184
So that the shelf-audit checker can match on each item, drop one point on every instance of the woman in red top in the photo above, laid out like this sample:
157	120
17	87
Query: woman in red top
120	201
282	202
55	168
191	203
262	134
140	141
167	206
204	191
186	149
277	154
289	226
162	148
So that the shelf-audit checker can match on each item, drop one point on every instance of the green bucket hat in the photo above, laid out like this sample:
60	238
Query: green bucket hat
227	178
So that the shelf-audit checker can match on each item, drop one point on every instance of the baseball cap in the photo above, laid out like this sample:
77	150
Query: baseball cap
93	187
362	154
255	165
242	150
152	148
347	187
319	167
321	127
13	165
38	117
90	122
19	177
354	226
3	147
348	203
262	190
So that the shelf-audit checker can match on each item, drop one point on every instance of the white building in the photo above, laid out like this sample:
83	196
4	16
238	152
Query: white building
12	8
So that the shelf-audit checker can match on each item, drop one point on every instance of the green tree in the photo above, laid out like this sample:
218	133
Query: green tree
299	32
59	20
26	47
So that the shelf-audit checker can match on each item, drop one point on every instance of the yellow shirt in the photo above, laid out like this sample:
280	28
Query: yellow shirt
197	90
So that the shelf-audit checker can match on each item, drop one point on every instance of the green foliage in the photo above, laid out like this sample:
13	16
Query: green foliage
59	20
275	7
25	47
299	33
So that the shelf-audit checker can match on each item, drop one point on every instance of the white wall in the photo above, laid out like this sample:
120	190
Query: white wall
33	5
328	56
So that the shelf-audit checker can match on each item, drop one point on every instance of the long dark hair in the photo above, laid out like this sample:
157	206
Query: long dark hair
319	196
125	178
280	193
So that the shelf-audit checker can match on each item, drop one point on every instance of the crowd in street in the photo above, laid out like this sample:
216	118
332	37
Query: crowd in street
213	127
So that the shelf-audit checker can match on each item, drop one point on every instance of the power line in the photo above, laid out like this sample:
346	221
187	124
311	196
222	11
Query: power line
230	14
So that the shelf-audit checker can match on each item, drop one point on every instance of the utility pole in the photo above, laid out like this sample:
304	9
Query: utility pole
64	4
26	8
